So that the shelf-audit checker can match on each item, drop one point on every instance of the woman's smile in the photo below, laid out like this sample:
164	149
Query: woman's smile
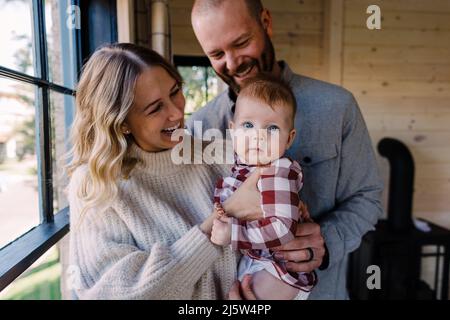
169	131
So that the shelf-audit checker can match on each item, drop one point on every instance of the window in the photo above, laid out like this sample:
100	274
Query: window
41	281
201	84
19	200
39	63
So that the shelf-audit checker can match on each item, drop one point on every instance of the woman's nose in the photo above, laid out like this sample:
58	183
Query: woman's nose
175	113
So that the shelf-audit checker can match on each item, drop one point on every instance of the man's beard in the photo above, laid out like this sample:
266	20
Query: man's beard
265	64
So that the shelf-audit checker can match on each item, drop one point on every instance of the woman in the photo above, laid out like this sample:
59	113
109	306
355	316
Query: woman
141	224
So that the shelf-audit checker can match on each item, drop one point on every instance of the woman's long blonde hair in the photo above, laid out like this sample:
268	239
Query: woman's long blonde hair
105	94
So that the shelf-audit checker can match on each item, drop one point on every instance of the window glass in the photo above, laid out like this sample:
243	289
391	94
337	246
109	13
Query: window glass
61	20
16	36
201	85
19	204
41	281
62	107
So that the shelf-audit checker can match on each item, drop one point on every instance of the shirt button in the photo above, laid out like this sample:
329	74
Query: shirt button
307	160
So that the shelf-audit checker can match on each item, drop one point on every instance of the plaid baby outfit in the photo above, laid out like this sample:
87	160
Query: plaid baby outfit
279	186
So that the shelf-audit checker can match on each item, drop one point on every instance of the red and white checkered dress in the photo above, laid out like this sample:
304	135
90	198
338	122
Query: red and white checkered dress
279	185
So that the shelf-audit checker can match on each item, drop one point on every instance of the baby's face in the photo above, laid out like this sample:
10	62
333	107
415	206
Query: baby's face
261	134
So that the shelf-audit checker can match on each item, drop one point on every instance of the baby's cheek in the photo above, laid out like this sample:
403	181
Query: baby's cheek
240	147
276	145
242	143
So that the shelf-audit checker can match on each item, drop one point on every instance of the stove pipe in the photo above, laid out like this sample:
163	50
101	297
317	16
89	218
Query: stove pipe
401	184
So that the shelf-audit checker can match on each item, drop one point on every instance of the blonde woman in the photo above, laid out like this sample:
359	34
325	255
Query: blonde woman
140	225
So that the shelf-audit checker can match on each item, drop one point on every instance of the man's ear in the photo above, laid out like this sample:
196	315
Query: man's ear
267	22
291	138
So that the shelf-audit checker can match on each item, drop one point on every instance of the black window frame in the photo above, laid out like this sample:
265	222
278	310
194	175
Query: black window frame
20	254
190	61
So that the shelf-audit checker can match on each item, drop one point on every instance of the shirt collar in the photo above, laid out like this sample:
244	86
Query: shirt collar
239	164
286	72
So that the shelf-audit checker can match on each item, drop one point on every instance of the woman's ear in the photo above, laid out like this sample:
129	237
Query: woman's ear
125	129
291	138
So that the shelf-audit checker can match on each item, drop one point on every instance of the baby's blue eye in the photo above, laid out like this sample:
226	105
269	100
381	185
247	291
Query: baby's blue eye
247	125
272	128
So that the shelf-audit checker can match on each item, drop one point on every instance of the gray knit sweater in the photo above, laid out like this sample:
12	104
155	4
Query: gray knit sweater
148	245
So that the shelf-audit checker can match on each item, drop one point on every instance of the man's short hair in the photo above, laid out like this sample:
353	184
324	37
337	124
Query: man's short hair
255	7
270	90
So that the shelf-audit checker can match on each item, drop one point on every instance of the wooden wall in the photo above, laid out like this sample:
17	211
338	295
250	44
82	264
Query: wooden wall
400	75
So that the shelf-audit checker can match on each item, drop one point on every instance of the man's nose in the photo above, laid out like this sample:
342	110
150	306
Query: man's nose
231	63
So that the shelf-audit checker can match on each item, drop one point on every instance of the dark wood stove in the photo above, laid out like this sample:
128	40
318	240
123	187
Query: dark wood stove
397	247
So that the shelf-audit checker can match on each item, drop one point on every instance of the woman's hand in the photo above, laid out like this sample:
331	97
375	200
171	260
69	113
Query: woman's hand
242	291
245	203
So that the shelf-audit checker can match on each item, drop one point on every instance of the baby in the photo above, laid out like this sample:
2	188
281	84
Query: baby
262	131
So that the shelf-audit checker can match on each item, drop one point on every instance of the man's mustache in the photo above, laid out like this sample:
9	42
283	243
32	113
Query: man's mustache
242	68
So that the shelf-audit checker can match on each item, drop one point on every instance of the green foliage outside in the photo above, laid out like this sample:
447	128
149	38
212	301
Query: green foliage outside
200	86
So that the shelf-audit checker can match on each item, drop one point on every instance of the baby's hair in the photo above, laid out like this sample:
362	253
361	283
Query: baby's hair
270	90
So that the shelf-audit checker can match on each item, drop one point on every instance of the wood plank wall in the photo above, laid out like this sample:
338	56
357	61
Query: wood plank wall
400	75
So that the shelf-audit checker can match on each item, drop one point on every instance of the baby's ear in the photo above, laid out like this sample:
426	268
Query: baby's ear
231	125
291	138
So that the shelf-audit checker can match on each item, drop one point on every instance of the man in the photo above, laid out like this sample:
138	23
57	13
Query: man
342	185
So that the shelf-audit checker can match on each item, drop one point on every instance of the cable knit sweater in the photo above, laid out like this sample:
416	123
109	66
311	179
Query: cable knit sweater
148	244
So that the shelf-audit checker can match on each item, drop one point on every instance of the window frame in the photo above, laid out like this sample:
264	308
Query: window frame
190	61
21	253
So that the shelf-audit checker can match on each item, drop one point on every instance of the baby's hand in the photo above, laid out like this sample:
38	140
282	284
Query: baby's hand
221	231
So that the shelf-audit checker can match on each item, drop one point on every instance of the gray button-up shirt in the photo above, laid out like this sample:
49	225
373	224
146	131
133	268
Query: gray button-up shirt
342	185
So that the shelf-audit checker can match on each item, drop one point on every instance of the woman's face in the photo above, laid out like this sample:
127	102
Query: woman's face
157	111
